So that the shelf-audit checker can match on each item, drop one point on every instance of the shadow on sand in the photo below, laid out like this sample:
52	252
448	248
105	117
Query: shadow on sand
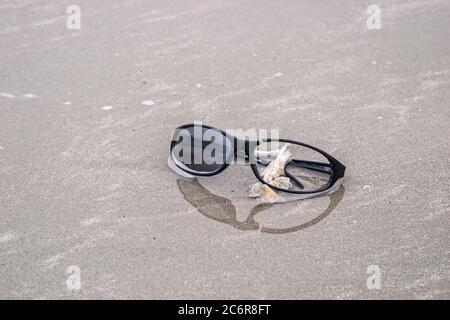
222	209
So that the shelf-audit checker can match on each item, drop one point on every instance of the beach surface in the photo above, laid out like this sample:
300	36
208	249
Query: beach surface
87	115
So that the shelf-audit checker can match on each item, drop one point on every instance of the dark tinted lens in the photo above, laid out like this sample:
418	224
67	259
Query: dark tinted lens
307	170
200	150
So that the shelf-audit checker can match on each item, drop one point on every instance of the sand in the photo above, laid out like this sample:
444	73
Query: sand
88	187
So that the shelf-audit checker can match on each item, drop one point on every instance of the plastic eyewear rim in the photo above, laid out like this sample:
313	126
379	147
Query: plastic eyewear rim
337	169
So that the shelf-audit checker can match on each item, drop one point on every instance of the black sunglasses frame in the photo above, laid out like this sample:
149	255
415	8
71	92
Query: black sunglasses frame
337	169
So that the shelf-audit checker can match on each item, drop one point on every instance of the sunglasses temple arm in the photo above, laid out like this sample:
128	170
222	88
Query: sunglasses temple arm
312	165
293	178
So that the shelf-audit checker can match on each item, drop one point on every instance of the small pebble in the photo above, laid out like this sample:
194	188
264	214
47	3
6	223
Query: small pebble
6	95
198	85
148	103
30	95
278	74
107	108
67	103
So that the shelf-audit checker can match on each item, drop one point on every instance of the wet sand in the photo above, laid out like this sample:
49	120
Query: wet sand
86	118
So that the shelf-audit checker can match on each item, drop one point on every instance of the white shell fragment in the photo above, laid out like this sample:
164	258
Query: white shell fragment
282	182
273	174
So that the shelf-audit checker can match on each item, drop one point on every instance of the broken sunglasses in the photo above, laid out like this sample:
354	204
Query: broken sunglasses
201	150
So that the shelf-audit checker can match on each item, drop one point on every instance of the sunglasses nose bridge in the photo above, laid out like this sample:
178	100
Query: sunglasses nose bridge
243	148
